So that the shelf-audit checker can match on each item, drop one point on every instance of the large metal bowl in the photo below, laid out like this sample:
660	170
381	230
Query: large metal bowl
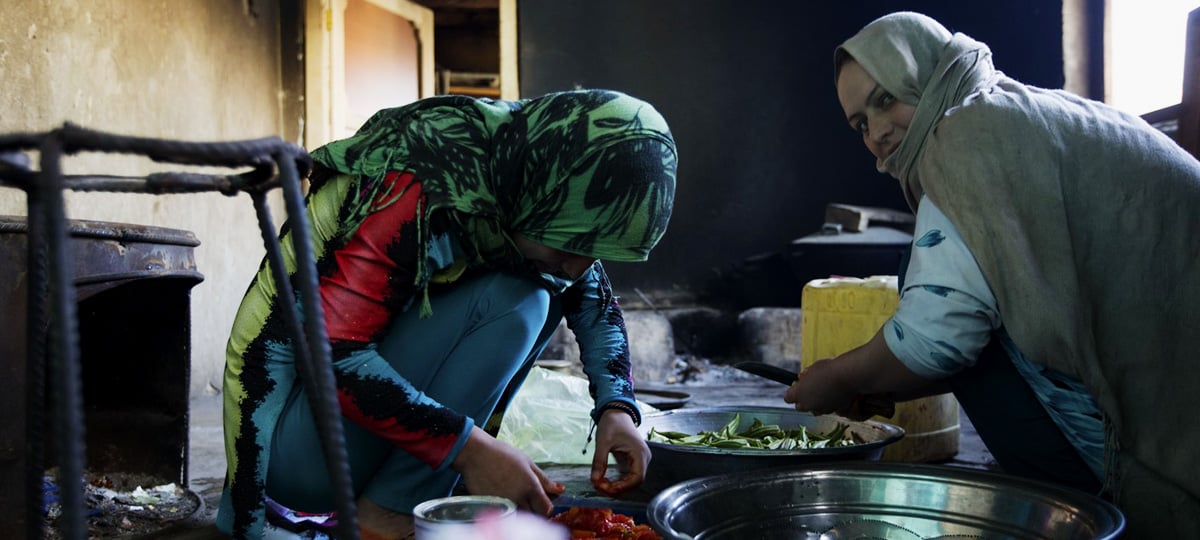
895	501
670	464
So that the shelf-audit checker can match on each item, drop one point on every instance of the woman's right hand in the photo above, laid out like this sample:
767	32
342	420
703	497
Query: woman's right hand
838	384
821	389
493	467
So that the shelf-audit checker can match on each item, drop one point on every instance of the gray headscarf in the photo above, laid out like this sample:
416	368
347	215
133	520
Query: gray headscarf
921	63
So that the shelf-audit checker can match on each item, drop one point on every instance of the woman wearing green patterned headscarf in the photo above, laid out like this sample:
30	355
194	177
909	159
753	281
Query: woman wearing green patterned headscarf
451	235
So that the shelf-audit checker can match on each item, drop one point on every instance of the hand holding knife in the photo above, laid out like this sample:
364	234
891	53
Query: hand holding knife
864	406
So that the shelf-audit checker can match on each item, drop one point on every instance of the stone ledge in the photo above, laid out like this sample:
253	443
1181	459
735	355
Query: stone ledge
771	335
659	338
651	346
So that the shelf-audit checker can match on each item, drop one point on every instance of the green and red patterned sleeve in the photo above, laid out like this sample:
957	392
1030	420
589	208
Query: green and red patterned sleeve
364	282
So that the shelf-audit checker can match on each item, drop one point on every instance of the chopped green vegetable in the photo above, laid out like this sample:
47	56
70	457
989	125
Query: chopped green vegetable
758	436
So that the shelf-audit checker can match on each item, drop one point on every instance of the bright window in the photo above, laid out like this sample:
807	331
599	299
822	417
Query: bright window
1146	41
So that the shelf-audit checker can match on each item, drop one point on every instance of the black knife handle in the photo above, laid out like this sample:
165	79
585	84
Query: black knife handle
763	369
876	405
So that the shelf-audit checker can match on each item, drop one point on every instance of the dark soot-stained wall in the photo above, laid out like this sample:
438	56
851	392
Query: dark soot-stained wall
747	89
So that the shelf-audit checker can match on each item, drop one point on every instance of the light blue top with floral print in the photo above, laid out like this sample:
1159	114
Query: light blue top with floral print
948	313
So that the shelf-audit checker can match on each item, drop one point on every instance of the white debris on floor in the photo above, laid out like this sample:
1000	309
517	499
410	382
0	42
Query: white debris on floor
115	510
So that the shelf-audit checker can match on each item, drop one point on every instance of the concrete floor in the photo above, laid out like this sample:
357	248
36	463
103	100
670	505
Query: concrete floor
207	459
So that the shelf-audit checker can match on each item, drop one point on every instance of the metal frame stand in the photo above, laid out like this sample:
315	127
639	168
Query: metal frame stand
53	333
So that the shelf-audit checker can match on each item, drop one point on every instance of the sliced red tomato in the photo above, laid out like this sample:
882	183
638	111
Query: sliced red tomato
602	524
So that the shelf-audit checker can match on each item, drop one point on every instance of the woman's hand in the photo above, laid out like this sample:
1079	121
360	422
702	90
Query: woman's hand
493	467
616	434
821	389
839	384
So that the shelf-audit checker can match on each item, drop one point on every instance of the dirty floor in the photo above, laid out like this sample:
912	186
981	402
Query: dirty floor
720	387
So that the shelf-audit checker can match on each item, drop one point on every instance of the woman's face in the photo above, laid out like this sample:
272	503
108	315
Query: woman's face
552	261
872	111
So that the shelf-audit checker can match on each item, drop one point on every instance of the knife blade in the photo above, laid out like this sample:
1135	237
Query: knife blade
763	369
870	405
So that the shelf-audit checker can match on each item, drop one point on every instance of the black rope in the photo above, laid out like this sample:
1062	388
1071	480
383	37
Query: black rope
260	154
37	321
291	319
63	347
228	154
319	380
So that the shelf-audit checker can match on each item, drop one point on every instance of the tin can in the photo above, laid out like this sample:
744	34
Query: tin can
457	518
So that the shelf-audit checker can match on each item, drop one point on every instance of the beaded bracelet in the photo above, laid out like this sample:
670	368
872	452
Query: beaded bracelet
623	407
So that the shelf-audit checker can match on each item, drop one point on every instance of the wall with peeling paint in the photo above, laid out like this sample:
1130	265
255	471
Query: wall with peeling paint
206	70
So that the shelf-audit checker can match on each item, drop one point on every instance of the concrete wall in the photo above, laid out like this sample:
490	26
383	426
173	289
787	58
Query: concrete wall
202	70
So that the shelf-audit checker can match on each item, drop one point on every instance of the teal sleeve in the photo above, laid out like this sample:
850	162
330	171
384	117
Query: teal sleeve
595	317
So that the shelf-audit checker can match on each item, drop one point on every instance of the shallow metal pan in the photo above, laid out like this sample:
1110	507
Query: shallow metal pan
671	464
896	501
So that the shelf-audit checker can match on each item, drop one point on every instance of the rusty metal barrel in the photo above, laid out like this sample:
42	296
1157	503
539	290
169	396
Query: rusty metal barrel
133	299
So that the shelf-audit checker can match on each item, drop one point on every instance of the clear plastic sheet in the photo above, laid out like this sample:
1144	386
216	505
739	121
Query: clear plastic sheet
549	418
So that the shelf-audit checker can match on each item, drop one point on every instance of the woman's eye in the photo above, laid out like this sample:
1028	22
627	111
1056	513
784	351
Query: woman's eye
886	99
861	127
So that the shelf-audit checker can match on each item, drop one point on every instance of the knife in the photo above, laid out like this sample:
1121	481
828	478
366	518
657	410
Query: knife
869	405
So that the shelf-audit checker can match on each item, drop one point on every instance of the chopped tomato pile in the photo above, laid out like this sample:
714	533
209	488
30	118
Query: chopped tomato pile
603	524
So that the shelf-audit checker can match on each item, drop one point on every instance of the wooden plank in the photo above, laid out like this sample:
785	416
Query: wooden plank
857	218
477	91
1189	113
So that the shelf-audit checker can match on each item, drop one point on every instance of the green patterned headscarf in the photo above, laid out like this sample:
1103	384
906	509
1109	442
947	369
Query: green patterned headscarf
590	172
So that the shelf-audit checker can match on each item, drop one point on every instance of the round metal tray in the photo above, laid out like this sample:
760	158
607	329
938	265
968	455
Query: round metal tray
896	501
670	464
661	399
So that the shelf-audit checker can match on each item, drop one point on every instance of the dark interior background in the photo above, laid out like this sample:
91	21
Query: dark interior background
747	88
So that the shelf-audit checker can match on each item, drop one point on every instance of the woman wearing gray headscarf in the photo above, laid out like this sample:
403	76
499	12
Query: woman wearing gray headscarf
1054	279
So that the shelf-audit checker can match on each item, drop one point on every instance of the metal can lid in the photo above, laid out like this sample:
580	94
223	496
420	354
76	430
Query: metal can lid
464	509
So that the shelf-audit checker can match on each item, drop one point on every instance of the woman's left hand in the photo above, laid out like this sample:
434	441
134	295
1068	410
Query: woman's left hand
616	434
